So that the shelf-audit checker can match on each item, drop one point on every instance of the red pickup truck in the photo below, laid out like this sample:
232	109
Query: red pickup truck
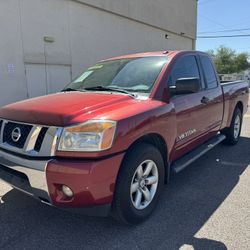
110	140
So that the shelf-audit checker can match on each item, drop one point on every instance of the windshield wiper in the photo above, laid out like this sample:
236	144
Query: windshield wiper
102	88
71	89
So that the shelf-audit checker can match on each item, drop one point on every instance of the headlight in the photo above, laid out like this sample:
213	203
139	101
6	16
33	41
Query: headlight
94	135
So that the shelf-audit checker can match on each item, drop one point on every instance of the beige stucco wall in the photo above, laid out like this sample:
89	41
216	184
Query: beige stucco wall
173	15
83	34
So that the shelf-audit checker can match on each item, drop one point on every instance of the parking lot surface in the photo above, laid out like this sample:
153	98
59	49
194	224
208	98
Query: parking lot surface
207	206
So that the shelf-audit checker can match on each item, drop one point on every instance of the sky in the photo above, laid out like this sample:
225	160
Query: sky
221	15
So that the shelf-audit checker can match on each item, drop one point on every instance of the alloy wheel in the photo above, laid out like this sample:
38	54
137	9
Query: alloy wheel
237	124
144	184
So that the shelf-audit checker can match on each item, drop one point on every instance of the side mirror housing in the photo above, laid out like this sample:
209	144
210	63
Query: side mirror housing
185	86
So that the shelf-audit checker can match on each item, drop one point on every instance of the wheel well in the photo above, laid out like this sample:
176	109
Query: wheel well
159	142
230	118
240	106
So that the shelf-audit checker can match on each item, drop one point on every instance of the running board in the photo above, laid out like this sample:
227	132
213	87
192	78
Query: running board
189	158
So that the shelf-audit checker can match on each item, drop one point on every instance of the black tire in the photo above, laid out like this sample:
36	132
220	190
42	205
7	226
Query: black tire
123	208
231	138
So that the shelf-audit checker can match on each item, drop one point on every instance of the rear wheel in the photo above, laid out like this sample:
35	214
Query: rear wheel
233	132
139	183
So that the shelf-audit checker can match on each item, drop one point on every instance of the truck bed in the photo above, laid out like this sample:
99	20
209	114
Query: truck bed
234	92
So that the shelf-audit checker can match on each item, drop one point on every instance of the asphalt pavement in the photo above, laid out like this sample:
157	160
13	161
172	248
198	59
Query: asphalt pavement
207	206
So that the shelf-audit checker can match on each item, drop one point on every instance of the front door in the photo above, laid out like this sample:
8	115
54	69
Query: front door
192	116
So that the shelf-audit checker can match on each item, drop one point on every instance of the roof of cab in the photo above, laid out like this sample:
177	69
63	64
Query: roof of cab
146	54
168	53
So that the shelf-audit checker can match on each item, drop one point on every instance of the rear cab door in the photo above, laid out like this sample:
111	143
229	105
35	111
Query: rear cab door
213	94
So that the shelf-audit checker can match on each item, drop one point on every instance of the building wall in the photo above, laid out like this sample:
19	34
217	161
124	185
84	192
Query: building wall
82	32
172	15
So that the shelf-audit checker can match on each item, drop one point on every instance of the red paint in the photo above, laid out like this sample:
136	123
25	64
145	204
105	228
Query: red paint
93	181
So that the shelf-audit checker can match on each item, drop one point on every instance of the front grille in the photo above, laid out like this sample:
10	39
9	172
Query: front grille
28	139
40	139
8	130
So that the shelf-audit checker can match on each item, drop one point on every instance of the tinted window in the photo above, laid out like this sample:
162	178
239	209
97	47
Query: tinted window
209	73
186	67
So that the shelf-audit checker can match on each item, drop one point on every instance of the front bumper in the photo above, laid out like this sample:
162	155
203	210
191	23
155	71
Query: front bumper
26	175
92	181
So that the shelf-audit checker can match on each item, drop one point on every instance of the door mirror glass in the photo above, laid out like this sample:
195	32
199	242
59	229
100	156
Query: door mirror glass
185	86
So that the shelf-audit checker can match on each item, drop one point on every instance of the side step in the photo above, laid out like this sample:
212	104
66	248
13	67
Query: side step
189	158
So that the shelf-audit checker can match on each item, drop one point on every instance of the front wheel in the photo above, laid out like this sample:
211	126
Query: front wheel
139	183
233	132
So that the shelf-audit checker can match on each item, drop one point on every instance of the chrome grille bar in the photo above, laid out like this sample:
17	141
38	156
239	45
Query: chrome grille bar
47	146
32	138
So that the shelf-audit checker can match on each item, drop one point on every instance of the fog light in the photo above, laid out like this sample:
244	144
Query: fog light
67	191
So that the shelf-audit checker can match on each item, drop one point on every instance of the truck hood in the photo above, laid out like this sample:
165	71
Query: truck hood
64	109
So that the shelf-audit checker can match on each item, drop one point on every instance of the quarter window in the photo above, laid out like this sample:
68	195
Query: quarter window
209	73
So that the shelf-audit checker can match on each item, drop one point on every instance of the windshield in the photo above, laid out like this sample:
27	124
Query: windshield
133	75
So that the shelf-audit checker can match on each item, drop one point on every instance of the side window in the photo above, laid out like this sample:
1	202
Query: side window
209	73
185	67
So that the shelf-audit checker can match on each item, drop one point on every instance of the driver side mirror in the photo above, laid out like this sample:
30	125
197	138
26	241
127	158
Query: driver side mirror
185	86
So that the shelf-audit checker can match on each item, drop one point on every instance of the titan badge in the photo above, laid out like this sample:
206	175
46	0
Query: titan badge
186	134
